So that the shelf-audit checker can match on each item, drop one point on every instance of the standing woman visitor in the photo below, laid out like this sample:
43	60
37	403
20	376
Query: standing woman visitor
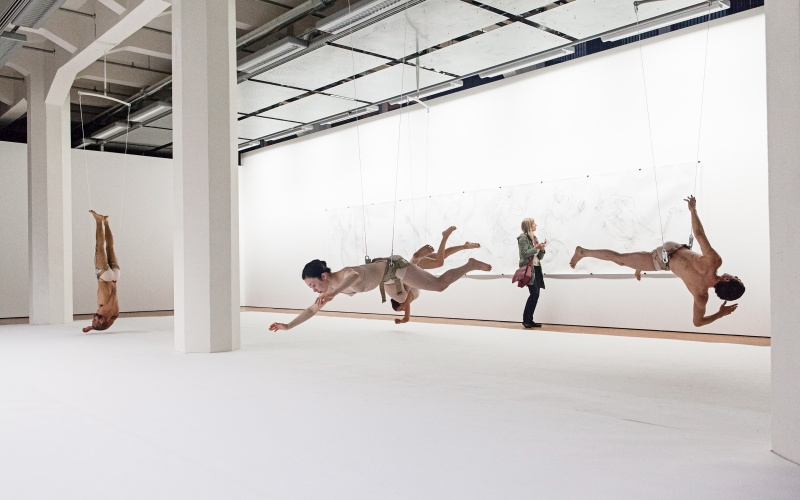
531	250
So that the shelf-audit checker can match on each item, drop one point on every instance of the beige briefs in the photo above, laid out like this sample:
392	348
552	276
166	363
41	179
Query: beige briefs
671	248
110	273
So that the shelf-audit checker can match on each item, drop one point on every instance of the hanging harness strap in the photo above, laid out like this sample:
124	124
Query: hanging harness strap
393	264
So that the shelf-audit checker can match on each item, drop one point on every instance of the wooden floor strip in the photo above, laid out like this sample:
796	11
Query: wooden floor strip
575	329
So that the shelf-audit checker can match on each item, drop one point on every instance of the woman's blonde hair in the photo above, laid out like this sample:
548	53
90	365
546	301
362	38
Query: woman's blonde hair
526	225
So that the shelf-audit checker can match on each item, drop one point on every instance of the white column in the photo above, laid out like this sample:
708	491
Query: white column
49	201
205	176
783	122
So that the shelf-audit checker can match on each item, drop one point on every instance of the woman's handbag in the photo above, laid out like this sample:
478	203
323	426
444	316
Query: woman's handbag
522	276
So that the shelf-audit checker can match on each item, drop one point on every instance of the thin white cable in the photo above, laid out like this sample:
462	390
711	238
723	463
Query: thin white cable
358	144
411	175
650	131
702	99
124	169
399	130
83	145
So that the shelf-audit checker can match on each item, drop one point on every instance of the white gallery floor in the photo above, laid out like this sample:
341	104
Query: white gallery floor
344	408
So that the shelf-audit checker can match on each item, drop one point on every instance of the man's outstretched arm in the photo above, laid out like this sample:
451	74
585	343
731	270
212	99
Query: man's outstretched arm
700	233
699	317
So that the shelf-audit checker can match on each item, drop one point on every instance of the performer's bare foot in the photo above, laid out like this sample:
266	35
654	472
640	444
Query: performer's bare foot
98	217
467	244
478	265
638	275
576	257
423	252
447	232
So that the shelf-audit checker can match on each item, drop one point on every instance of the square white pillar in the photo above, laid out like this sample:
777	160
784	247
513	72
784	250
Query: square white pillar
49	201
783	122
205	176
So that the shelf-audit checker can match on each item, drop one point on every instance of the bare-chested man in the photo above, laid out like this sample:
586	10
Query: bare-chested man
425	258
698	272
106	268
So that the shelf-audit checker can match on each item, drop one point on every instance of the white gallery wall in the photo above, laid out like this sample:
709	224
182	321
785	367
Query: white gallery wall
588	117
134	191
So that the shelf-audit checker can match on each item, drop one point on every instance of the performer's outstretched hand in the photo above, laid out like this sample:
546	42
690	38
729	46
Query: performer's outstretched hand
274	327
692	201
725	309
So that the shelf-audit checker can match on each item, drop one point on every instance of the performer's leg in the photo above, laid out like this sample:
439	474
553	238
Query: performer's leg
100	259
415	277
642	261
112	257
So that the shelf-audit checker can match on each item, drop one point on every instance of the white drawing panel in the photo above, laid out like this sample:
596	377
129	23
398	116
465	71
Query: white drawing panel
618	211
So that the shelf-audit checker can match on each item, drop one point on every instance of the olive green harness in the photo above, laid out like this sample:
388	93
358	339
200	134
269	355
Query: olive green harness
393	264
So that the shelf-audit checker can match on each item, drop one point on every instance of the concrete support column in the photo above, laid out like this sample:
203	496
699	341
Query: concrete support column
49	201
205	176
783	122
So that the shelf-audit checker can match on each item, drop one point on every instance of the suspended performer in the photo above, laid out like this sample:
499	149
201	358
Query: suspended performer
106	268
425	258
366	277
698	272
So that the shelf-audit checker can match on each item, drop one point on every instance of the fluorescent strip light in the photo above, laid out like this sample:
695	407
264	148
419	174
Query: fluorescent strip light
361	11
14	37
114	129
670	19
436	89
292	131
530	61
350	114
270	54
150	111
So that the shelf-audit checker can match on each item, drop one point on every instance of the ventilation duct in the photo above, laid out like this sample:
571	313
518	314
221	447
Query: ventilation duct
7	47
30	13
10	9
27	13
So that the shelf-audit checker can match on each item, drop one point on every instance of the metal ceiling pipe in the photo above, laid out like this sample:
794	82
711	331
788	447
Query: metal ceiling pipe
283	20
279	22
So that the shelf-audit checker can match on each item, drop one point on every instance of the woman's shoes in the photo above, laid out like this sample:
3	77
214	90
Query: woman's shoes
531	325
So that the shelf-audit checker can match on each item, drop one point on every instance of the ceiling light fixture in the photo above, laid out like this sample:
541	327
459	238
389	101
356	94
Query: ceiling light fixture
361	11
436	89
14	37
350	114
270	54
150	111
670	19
528	61
291	131
112	130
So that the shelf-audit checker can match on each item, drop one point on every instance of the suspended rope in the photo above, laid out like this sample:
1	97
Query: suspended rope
399	129
700	119
105	95
664	254
367	260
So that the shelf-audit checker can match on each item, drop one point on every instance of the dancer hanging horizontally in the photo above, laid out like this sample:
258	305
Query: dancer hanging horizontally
366	277
106	268
698	272
425	258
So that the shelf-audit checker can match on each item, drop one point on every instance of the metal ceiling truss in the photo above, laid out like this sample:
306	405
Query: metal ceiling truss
453	51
